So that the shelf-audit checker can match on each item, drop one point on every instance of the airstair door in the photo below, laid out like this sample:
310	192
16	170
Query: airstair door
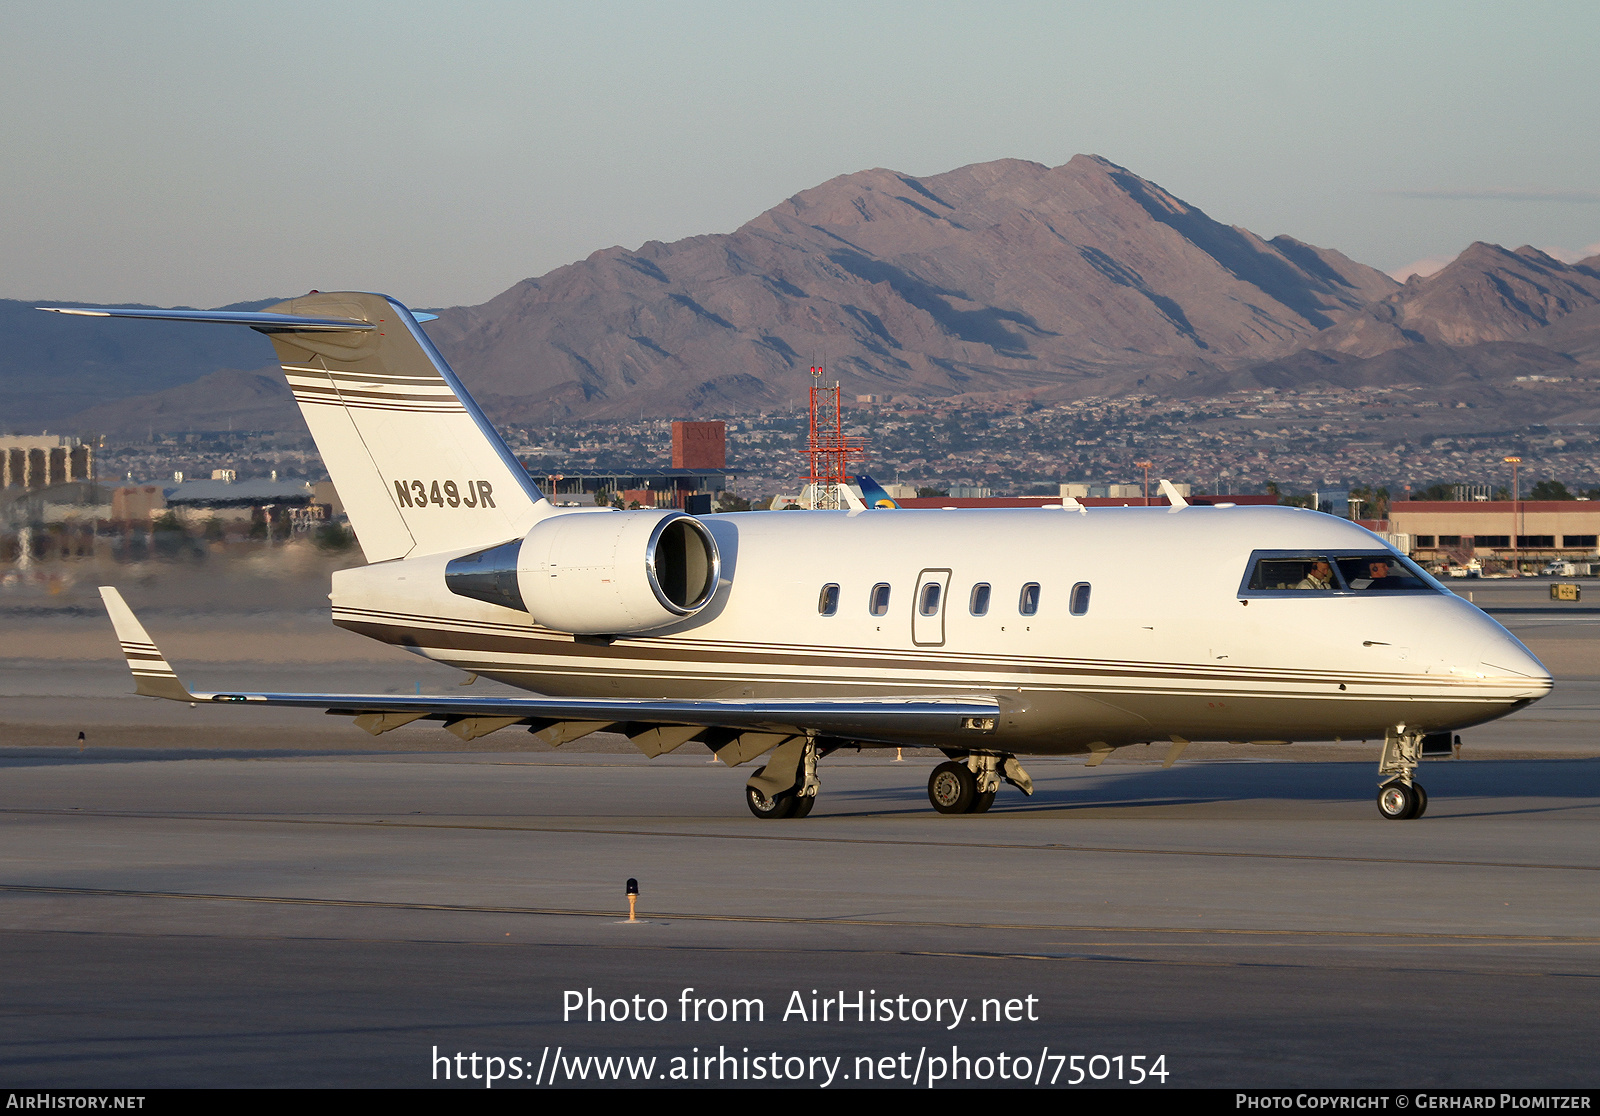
927	608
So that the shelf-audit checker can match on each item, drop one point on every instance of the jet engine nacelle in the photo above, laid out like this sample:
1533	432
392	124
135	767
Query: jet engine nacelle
598	573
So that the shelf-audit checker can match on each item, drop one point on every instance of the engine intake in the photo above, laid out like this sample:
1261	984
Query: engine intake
598	573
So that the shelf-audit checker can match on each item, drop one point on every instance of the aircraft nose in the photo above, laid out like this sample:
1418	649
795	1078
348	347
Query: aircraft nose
1504	655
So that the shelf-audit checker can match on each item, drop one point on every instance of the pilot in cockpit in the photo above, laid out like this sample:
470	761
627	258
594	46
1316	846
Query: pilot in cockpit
1378	572
1319	577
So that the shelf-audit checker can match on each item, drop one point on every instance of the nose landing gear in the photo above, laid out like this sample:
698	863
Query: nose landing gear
1400	797
1399	801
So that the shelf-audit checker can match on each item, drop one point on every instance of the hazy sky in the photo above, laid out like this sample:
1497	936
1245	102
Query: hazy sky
209	153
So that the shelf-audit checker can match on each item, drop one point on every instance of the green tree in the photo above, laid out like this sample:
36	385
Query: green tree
335	536
1550	490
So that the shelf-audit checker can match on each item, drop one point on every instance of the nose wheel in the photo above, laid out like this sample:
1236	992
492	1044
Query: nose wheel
1401	801
1400	797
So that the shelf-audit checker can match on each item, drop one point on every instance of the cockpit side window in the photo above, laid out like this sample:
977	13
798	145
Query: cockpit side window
1346	573
1382	573
1307	572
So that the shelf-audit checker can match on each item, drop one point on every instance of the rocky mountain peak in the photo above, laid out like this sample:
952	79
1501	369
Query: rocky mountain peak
1487	293
988	277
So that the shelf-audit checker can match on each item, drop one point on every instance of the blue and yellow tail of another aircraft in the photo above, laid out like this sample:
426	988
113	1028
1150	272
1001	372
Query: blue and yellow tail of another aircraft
872	493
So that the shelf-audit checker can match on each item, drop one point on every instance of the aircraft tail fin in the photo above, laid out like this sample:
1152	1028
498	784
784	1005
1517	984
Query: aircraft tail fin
418	467
872	493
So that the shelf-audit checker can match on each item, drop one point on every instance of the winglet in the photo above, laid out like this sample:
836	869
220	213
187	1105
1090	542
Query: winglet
1173	496
151	674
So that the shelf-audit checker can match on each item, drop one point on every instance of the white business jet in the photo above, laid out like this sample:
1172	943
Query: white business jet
983	633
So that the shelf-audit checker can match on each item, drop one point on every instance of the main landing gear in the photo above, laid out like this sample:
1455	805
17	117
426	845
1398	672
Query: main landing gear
787	786
964	784
967	784
784	804
1400	796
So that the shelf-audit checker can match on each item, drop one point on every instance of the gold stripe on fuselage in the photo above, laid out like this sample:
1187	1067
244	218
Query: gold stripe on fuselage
557	655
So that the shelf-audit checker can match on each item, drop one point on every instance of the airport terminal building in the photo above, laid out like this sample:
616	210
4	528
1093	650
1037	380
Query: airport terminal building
1432	530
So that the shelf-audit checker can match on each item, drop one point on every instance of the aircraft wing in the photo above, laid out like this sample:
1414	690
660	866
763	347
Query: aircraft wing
655	725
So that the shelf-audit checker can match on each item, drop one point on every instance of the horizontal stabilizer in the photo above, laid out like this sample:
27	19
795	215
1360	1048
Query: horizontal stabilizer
267	323
418	467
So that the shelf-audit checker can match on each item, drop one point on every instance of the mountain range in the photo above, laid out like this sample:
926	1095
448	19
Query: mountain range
1000	277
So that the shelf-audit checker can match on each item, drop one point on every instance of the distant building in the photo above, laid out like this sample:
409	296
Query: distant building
1333	501
197	501
323	492
38	462
1438	529
650	488
1080	489
137	503
699	445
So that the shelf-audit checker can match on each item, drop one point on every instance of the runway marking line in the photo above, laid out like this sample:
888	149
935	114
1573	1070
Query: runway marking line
892	841
664	916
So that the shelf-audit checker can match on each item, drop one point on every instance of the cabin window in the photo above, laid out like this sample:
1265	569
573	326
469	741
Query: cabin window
828	602
1079	602
929	604
1028	602
979	605
878	602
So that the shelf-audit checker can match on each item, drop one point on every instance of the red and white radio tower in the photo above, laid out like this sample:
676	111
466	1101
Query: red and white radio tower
828	450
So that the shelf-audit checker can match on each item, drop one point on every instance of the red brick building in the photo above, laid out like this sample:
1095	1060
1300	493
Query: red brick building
699	445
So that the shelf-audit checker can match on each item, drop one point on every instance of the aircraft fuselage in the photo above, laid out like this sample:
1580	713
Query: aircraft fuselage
1165	640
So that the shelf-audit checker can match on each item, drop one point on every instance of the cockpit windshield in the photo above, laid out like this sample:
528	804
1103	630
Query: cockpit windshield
1344	572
